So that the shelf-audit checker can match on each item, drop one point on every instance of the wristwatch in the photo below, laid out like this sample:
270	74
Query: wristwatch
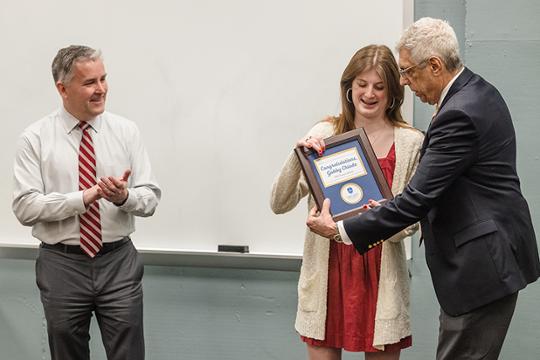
337	238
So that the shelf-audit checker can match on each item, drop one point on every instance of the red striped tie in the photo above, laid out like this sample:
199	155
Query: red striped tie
90	223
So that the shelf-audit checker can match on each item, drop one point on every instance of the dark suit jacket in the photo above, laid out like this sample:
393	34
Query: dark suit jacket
476	225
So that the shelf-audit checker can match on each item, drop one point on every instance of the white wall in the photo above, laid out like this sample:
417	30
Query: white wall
220	90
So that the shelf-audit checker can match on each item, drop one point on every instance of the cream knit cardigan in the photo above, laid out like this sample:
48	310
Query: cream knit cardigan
392	321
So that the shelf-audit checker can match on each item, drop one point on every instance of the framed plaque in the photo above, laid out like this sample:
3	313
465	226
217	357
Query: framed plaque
348	173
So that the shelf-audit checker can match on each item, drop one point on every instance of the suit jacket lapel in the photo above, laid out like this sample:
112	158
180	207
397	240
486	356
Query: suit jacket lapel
460	82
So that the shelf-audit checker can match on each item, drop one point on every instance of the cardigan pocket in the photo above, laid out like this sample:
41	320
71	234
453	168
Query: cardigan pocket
308	292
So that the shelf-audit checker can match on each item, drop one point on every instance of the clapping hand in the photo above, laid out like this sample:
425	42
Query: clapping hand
114	189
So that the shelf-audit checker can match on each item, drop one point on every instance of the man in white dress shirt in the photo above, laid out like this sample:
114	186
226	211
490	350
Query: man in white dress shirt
81	175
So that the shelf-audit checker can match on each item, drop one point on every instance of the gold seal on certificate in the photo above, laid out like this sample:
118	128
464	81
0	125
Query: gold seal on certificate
351	193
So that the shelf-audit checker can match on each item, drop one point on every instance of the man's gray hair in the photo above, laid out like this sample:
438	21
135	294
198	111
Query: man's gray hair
62	65
428	37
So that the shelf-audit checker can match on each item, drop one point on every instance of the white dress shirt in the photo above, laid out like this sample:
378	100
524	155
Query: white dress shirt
46	172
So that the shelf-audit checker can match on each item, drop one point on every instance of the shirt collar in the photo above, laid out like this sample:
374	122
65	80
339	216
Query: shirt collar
70	122
447	88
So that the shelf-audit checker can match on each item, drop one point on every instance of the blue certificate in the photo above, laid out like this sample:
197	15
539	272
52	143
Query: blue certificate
348	174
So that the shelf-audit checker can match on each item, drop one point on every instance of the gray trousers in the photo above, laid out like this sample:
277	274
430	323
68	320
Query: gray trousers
478	334
73	286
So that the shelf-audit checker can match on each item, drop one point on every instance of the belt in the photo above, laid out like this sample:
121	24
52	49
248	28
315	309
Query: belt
76	249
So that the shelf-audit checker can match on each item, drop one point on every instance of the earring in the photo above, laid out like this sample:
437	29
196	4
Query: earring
393	103
349	98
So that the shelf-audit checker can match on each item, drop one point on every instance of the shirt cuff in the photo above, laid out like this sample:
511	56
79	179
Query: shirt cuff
130	203
75	201
344	237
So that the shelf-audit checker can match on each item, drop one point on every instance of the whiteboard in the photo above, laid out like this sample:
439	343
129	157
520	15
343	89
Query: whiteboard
221	91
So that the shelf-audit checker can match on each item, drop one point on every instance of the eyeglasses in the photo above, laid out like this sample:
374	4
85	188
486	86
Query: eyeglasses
406	73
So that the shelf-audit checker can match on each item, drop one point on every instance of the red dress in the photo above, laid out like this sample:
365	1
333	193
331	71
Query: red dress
353	283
